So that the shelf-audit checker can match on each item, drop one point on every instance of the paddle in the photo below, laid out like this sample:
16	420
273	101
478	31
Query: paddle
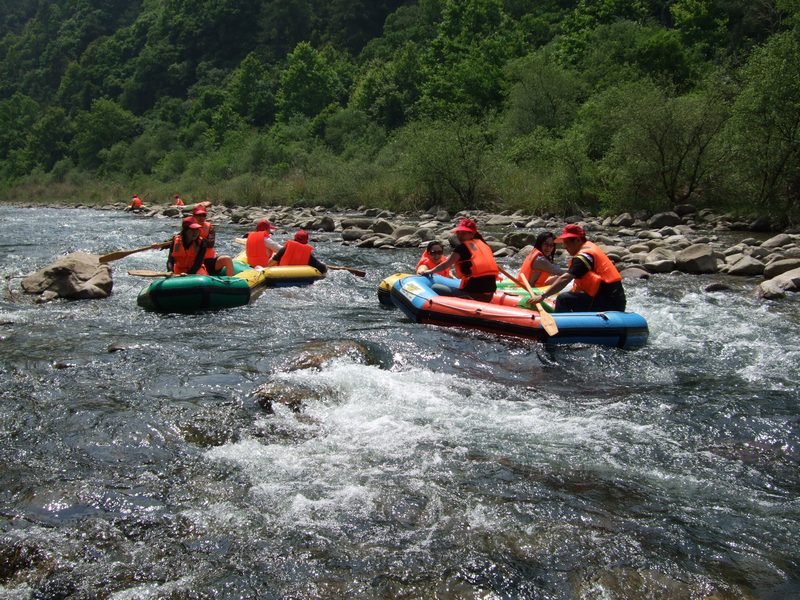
356	272
546	319
147	273
123	253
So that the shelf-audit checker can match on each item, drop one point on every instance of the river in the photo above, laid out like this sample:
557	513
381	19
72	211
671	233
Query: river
437	463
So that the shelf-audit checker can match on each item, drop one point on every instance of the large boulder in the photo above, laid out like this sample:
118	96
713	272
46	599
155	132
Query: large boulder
664	219
777	241
745	266
780	266
697	258
778	286
77	276
660	260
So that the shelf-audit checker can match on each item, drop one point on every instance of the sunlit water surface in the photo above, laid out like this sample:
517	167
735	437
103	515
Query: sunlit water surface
447	464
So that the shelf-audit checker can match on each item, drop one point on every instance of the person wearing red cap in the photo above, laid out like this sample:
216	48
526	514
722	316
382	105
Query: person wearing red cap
187	250
298	252
597	285
473	261
260	247
222	265
178	201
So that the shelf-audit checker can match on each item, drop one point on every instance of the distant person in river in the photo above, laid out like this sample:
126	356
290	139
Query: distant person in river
187	251
215	265
135	203
298	252
433	256
260	247
539	267
178	201
473	261
597	285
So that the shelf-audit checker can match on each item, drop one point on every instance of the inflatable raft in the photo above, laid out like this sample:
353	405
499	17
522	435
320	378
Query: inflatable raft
506	314
192	293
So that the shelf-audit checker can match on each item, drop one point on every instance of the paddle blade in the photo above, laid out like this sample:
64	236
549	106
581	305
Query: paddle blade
123	253
547	320
148	273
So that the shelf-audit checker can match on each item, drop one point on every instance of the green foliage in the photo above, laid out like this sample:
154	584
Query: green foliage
543	94
553	105
311	81
103	125
662	153
765	128
452	161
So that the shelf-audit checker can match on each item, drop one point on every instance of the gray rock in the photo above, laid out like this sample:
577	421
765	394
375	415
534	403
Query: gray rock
780	266
664	219
77	276
352	234
324	223
634	273
782	239
519	239
623	220
426	234
383	226
746	266
357	223
659	260
404	230
778	286
697	258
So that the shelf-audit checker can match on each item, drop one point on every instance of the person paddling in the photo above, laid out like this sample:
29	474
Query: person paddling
222	265
597	285
298	252
539	265
473	261
187	251
260	247
433	256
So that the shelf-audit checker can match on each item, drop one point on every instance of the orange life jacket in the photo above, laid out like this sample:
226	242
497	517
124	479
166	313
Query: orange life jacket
136	202
258	254
179	202
183	258
295	253
428	261
527	267
604	271
205	230
482	259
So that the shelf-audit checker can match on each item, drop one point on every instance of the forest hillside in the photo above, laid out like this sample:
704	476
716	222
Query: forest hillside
549	106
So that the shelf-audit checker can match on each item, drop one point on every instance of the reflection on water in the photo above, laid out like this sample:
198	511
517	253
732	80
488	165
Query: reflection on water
425	462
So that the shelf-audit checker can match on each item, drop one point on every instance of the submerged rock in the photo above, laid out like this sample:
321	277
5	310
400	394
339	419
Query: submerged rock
77	276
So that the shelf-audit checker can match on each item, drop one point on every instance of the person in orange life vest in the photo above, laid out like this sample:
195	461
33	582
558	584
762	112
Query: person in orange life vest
260	247
215	265
298	252
473	261
187	250
597	285
538	266
178	201
136	203
433	255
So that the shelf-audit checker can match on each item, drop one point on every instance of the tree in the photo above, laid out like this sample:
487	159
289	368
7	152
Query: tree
105	124
765	129
543	94
250	92
309	83
662	153
451	160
